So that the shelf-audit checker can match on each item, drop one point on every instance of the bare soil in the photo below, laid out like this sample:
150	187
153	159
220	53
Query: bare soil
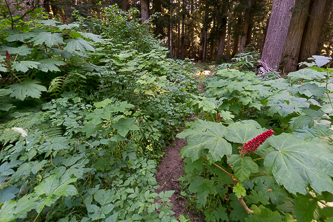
168	173
170	170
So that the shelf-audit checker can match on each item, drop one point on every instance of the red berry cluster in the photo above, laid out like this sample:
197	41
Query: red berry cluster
253	145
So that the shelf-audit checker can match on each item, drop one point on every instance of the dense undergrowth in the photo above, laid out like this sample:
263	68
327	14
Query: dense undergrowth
86	110
236	170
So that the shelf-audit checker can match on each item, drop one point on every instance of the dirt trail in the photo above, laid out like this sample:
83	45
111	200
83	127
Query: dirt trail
168	173
170	170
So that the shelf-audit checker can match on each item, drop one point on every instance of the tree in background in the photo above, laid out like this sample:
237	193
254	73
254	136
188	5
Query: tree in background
277	32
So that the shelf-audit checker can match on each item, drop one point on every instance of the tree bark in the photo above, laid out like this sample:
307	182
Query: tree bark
277	32
144	10
295	34
205	30
159	24
124	5
183	49
170	30
246	24
313	28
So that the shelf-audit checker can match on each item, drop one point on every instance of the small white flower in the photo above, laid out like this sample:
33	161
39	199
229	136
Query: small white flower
20	130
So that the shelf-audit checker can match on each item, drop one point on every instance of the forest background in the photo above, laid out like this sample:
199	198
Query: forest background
90	99
217	30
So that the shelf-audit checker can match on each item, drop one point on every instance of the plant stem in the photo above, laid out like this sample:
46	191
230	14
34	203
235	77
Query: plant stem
220	168
328	95
39	213
247	209
79	192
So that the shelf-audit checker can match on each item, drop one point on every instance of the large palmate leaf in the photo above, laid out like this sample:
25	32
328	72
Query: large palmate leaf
78	44
202	187
242	132
22	37
243	166
205	135
93	37
27	88
22	50
306	74
123	126
55	186
50	65
50	39
297	163
24	66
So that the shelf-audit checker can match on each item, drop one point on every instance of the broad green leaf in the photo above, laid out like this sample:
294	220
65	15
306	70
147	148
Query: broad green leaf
93	37
297	163
112	218
243	132
22	37
24	66
27	88
6	211
3	68
8	193
239	190
22	50
268	186
205	135
103	103
24	205
202	187
69	26
119	107
104	197
306	208
238	212
243	166
308	89
257	197
6	106
306	74
49	22
90	128
50	65
263	214
58	143
50	39
78	44
123	126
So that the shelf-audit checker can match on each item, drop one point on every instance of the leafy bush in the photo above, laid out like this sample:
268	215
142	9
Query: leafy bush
239	171
83	117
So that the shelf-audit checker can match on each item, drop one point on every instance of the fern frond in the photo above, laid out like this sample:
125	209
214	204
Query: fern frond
56	85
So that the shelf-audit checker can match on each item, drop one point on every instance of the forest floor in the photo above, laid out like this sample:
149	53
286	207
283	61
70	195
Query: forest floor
170	170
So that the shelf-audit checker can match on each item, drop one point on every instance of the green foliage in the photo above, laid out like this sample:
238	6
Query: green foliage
289	176
84	116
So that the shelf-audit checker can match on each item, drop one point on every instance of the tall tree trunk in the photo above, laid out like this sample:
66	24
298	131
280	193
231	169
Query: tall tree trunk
295	34
277	32
204	49
144	10
236	35
314	27
183	49
246	24
170	30
157	6
124	5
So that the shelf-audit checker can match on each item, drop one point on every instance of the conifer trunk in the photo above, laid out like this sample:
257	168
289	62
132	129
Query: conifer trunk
277	32
295	34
